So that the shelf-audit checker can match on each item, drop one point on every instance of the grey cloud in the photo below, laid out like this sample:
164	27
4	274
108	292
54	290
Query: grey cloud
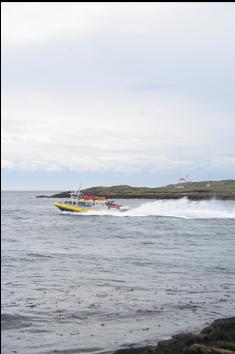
157	82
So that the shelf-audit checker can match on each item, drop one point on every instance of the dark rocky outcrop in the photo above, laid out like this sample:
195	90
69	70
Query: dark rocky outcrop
42	196
218	338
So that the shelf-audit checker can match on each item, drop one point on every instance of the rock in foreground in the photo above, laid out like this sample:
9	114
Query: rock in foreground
218	338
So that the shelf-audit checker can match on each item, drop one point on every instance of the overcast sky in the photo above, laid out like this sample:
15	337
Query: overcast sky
117	93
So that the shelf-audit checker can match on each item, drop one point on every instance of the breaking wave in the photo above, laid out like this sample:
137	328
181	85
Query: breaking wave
179	208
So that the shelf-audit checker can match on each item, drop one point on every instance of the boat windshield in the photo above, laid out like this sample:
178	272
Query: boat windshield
109	202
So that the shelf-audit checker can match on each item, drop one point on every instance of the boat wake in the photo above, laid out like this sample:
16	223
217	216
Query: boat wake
180	208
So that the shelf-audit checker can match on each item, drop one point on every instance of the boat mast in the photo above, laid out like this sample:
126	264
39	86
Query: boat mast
179	160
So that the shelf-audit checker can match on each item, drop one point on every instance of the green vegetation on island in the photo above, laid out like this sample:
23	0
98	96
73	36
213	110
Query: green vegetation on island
224	190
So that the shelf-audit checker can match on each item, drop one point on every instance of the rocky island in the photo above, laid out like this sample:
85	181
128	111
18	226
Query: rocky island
223	190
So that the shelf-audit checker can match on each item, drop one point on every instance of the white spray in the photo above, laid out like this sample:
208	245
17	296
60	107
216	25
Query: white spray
181	208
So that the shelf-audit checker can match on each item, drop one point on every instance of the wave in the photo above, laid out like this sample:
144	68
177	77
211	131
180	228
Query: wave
185	208
179	208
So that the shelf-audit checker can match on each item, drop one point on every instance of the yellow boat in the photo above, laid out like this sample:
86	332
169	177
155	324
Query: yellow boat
82	204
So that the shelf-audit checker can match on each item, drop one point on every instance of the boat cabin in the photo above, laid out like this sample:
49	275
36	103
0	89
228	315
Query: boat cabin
89	202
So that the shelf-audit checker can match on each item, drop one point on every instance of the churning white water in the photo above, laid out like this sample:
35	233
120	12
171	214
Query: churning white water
181	208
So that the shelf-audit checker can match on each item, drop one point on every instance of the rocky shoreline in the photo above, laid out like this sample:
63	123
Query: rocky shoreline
218	338
221	190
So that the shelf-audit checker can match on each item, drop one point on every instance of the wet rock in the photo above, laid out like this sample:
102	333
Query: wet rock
204	349
144	350
176	344
220	330
218	338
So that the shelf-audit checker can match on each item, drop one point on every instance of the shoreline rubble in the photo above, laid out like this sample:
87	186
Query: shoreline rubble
217	338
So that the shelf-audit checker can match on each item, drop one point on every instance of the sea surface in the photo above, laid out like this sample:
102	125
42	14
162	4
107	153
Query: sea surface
102	281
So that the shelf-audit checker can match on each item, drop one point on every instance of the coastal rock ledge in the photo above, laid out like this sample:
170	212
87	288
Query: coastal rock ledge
218	338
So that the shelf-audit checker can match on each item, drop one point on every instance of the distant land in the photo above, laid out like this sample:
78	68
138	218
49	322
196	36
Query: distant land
223	190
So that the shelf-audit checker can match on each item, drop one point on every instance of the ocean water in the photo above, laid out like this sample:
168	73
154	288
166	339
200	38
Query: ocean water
98	282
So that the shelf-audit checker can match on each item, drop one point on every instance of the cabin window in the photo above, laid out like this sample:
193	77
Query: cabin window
74	203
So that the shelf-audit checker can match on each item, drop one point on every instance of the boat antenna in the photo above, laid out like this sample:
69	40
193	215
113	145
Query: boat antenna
179	165
208	165
80	188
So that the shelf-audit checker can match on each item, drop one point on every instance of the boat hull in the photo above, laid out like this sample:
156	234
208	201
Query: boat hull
72	208
78	209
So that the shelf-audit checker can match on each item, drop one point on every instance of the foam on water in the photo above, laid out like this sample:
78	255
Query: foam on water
180	208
